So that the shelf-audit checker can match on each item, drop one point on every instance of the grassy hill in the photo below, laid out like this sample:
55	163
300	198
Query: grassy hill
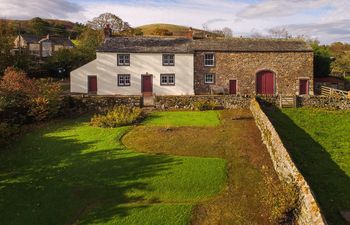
52	26
176	30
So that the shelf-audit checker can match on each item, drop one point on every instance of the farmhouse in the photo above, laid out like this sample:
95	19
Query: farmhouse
188	66
41	47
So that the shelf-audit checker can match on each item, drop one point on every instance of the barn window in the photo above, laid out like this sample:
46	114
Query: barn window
209	59
209	78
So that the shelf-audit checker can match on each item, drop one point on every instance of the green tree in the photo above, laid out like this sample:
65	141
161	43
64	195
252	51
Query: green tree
6	44
88	41
39	26
341	53
322	60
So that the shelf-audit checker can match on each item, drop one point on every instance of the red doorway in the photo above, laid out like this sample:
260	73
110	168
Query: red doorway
233	87
303	87
147	85
92	84
265	83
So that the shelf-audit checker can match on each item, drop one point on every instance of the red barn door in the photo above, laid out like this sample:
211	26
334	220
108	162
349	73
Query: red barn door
265	83
233	87
303	87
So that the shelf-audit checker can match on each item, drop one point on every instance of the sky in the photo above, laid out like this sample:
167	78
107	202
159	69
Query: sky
326	20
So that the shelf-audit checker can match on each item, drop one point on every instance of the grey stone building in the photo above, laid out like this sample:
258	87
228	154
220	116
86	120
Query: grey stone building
253	66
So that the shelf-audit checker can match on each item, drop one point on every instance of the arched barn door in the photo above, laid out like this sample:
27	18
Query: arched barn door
265	83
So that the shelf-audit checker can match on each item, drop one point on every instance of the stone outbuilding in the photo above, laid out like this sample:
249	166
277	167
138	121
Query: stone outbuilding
253	66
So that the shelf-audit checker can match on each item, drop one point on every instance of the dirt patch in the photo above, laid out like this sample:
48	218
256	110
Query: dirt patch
253	189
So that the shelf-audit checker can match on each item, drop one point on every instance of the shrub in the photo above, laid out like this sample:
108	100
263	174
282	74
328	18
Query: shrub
6	132
118	116
205	105
46	101
39	108
25	100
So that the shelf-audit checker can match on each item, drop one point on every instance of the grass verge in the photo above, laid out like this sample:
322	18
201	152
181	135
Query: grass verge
72	173
318	141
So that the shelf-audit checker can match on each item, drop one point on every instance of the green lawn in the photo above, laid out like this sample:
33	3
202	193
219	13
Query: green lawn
72	173
187	118
319	142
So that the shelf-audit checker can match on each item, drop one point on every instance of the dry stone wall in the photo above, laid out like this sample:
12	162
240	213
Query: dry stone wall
84	103
309	212
187	102
324	102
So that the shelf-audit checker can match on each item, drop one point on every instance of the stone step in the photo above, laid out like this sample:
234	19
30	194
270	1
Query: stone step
148	101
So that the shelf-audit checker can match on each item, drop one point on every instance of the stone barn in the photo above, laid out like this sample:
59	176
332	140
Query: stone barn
253	66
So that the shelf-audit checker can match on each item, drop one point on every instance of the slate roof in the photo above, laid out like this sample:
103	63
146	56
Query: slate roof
58	41
30	38
251	45
186	45
145	45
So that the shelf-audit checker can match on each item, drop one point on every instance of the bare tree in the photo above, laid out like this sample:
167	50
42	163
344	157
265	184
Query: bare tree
281	33
116	24
227	32
205	27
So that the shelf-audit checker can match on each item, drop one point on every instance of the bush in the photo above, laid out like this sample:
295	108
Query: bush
24	100
6	132
205	105
46	102
117	117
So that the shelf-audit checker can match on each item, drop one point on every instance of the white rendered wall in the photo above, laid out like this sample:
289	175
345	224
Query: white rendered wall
106	69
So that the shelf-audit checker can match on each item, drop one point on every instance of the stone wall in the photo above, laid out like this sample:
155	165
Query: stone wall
309	211
85	103
187	102
288	67
324	102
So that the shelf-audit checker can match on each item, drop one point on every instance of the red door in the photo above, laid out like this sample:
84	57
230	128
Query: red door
265	83
233	87
147	87
303	87
92	84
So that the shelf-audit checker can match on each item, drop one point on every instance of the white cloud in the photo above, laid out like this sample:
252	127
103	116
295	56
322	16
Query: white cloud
329	31
25	9
280	8
326	20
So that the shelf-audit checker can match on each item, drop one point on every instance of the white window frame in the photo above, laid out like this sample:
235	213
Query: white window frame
122	80
123	59
212	80
167	78
166	59
206	60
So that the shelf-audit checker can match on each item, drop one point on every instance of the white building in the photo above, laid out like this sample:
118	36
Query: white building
138	65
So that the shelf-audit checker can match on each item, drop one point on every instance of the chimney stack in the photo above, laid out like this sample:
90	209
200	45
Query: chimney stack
107	31
190	33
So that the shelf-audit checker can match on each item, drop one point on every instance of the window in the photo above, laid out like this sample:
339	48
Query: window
168	60
167	79
124	80
209	78
209	59
123	60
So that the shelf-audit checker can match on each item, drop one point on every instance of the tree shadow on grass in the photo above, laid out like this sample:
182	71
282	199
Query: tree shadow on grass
328	181
56	180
